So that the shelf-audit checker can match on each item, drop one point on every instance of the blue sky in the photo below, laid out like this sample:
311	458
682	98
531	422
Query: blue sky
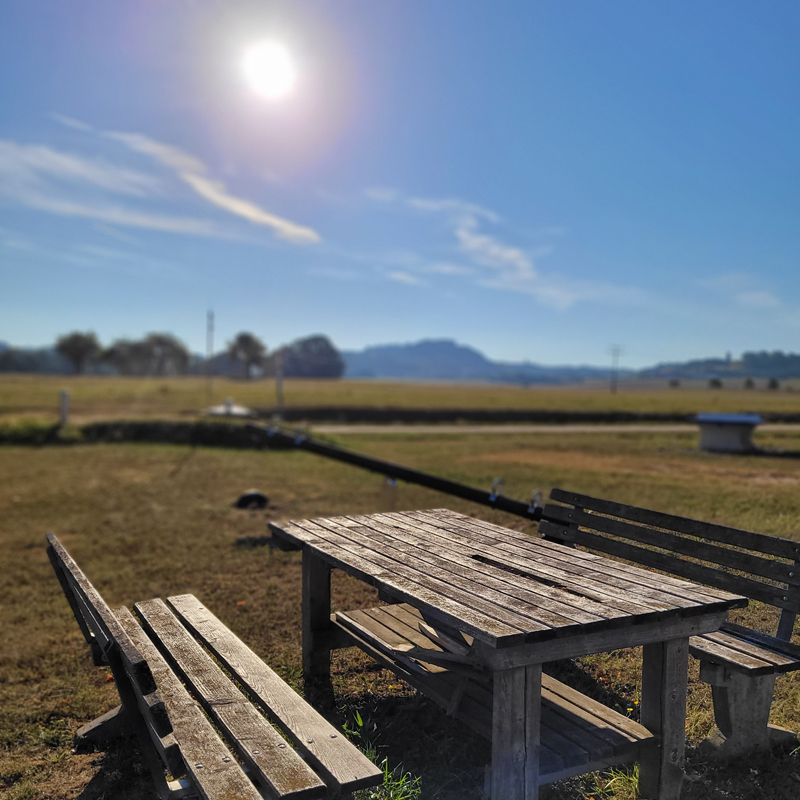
540	180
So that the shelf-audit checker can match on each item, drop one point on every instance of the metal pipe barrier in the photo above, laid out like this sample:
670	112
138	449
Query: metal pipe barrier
302	440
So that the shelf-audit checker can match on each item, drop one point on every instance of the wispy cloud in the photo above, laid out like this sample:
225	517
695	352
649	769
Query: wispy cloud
452	206
41	178
29	166
485	253
194	174
118	215
446	268
381	194
399	276
742	289
758	299
71	122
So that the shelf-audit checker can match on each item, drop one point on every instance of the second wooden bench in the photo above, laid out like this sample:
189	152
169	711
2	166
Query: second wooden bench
739	663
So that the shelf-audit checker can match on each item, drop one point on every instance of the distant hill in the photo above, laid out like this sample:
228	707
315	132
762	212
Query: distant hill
444	359
761	364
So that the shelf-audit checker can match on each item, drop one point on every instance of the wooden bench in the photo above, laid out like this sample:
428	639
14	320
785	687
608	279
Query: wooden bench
229	749
741	664
578	734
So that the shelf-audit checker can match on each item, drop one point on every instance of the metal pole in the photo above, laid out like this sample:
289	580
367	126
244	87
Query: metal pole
209	354
615	351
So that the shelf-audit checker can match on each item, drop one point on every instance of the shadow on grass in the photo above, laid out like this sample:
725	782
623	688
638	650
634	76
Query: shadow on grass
122	774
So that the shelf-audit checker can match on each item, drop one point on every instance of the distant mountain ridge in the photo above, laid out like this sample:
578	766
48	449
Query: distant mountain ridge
444	359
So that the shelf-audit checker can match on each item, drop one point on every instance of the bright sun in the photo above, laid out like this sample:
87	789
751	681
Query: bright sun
269	69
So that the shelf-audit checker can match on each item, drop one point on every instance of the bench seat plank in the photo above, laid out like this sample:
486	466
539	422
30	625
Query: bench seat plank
211	766
742	652
340	764
262	748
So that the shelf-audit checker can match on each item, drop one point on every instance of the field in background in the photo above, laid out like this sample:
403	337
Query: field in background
146	521
36	396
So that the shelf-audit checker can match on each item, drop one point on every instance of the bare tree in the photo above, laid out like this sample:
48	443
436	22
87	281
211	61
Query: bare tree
78	348
248	349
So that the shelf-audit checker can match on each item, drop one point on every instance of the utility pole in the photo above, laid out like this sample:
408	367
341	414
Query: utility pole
279	382
209	354
615	353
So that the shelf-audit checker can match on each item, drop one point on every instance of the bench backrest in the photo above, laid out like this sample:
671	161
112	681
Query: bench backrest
109	642
765	568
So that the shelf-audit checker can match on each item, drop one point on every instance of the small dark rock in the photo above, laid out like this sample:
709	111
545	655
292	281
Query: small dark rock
252	499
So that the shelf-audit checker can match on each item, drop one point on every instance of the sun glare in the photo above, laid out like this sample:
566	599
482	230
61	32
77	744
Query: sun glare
269	70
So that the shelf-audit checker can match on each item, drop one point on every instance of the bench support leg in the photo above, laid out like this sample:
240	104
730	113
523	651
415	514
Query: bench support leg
516	745
316	625
741	711
664	679
112	725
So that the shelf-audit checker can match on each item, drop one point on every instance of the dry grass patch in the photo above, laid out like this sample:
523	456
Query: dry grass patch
146	521
95	398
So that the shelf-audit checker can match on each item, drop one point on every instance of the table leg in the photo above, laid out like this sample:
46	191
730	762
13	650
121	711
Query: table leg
663	711
316	619
515	733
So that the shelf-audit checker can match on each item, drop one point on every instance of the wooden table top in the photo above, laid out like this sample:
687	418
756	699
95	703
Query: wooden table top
502	586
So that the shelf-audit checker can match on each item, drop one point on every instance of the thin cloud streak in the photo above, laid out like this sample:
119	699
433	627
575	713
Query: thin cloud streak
193	173
29	166
494	263
117	215
407	278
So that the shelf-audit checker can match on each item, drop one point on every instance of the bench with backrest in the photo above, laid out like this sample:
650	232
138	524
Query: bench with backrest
740	663
190	717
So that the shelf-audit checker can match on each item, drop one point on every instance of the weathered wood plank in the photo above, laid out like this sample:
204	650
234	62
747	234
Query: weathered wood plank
771	569
339	763
741	652
259	745
515	733
774	643
550	605
757	542
635	582
718	653
446	577
208	762
734	584
663	711
580	601
438	596
100	619
316	611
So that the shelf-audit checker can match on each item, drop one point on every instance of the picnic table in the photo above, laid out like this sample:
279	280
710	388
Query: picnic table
471	612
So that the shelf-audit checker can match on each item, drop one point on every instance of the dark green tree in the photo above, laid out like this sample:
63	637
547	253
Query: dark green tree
168	355
312	357
249	350
78	348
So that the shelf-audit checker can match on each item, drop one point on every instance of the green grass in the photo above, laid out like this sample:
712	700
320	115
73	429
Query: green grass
146	521
115	397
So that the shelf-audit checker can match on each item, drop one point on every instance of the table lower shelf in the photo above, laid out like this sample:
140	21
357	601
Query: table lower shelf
578	734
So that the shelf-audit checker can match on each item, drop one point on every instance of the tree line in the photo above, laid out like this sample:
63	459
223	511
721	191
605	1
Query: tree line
163	354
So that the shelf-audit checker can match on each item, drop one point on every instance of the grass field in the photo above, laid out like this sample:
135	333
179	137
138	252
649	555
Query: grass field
103	398
147	521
